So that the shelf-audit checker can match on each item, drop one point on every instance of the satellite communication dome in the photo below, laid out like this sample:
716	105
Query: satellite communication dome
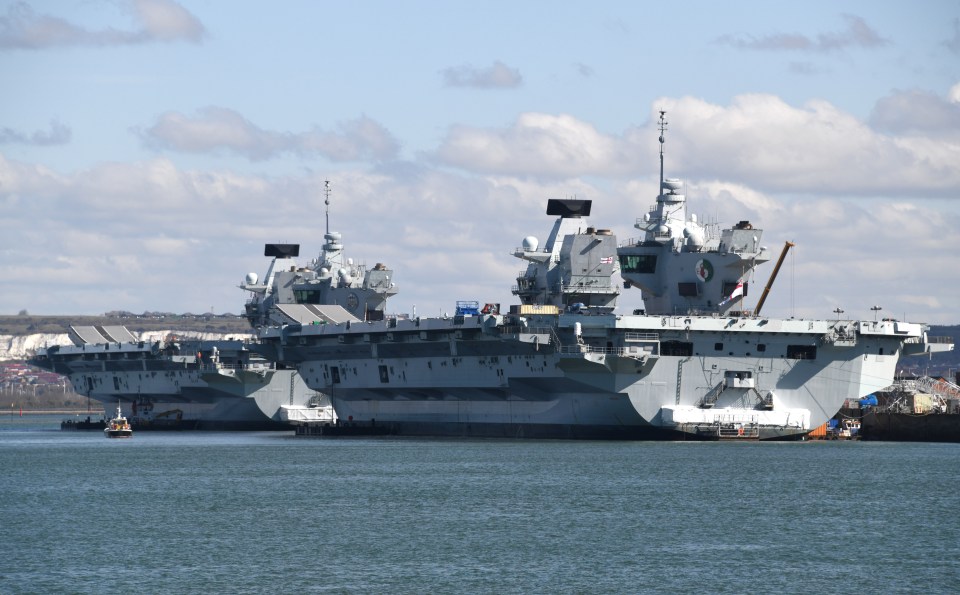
530	244
251	278
694	236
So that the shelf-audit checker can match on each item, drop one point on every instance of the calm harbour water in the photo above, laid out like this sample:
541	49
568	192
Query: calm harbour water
267	512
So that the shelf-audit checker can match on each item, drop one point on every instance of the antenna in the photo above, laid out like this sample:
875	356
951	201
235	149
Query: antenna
663	128
326	201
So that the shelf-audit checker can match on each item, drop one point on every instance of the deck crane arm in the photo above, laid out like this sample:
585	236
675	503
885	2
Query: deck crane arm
773	276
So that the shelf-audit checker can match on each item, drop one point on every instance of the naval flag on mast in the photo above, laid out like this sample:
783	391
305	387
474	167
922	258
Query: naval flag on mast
738	292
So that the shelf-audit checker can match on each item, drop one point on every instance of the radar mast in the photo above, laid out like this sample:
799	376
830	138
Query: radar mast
663	128
326	193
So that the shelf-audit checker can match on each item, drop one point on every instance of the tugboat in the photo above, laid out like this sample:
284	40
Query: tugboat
118	427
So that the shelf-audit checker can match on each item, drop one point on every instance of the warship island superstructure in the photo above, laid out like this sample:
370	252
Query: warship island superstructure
564	364
184	383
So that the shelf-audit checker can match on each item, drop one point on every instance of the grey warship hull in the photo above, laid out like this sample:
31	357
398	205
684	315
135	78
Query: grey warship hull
219	385
564	364
602	376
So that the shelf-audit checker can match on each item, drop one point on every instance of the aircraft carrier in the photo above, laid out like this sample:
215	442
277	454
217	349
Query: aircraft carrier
563	363
182	383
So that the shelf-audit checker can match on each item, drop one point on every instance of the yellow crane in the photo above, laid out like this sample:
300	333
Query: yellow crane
773	276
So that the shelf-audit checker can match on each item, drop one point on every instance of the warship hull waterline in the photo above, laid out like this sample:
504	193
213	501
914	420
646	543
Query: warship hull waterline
564	364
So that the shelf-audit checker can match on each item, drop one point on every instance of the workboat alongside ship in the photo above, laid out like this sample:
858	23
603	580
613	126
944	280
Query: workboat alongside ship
77	424
564	364
183	383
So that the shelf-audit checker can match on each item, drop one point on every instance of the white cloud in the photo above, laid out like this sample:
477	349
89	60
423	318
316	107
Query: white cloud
916	112
217	129
757	139
784	148
153	235
558	146
153	20
357	140
856	34
855	254
165	20
734	198
167	247
59	134
497	76
954	94
214	128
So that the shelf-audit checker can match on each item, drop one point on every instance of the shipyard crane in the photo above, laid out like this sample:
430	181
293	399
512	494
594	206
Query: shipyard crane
773	276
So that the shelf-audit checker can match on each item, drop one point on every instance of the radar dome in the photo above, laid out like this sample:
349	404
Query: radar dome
694	236
251	278
530	244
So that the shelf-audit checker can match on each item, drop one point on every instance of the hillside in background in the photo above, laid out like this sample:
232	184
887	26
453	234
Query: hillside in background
939	364
22	386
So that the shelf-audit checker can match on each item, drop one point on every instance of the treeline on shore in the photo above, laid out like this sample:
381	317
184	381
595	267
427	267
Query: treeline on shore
46	397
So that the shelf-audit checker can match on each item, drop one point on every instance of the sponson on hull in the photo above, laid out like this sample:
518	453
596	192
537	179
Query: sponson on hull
563	363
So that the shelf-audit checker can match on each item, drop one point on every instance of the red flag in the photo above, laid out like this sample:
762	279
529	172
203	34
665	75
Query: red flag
737	292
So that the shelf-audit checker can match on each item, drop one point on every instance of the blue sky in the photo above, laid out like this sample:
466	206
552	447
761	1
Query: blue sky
148	148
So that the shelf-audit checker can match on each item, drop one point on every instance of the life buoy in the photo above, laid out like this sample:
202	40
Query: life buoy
739	431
